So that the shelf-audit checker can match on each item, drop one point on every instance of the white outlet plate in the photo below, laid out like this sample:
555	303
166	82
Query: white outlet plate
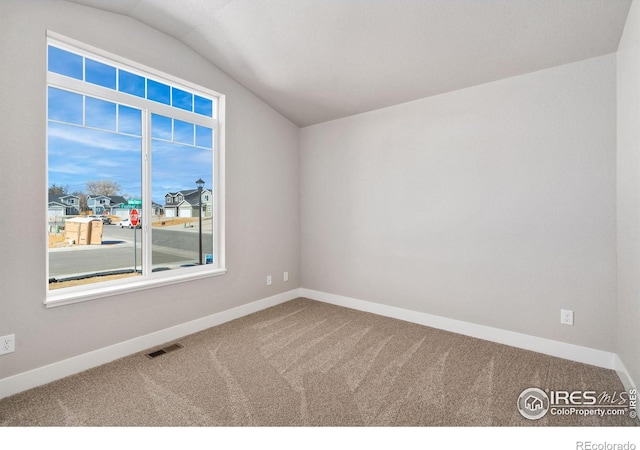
285	277
268	280
7	344
566	317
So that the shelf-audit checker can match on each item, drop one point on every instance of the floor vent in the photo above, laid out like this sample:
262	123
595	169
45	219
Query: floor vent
162	351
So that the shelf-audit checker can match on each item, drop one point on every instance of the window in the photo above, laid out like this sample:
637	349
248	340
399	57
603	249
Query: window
124	139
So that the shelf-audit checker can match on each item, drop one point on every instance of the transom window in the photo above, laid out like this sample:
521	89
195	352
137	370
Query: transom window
141	151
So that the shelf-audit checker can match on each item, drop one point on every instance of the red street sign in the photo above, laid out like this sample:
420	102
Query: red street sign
133	217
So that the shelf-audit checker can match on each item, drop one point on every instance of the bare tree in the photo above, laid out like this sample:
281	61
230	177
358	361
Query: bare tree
102	187
58	190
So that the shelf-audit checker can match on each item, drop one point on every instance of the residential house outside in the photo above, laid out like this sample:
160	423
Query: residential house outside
108	204
61	206
157	209
185	203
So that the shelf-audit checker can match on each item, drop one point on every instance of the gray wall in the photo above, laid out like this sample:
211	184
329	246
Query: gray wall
262	192
494	205
628	323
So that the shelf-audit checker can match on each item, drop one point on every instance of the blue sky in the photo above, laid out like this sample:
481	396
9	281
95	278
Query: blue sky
78	154
91	139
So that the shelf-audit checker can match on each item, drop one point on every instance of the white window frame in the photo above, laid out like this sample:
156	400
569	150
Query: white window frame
92	291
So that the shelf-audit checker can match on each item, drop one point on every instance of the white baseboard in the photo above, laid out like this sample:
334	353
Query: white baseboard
537	344
55	371
624	375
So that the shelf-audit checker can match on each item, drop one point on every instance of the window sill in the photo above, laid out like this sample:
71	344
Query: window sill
68	298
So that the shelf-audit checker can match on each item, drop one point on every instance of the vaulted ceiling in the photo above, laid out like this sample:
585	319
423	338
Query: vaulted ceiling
318	60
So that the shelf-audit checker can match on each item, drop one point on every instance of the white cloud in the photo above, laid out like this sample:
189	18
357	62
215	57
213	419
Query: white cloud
61	136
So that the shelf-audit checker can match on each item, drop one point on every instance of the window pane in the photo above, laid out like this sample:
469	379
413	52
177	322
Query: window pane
161	127
158	92
181	99
100	74
204	137
64	106
203	106
65	63
100	114
99	168
78	154
183	132
129	120
131	83
175	170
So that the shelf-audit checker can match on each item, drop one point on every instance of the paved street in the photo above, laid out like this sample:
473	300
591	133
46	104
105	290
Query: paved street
171	248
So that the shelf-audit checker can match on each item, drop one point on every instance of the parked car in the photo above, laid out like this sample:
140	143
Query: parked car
105	219
127	223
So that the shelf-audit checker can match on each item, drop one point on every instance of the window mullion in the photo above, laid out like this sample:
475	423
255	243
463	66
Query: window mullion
219	152
146	194
93	90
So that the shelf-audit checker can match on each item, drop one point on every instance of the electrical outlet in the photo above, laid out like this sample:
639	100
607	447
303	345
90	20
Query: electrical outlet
7	344
268	280
566	317
285	277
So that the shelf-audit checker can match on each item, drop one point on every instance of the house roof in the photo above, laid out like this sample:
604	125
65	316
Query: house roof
89	197
189	195
114	200
58	198
117	199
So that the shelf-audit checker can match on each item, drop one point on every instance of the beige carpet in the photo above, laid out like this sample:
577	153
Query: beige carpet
306	363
